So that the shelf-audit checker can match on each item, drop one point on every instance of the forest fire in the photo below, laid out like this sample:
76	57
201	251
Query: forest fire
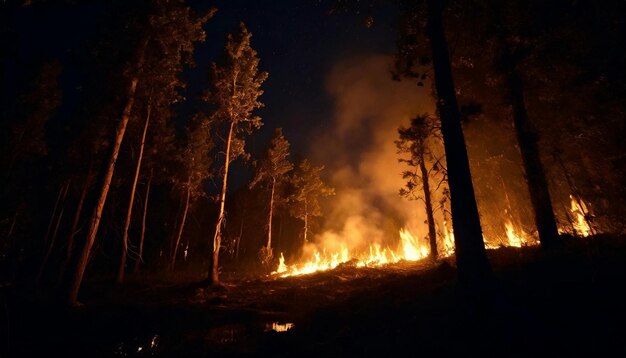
579	214
515	237
410	248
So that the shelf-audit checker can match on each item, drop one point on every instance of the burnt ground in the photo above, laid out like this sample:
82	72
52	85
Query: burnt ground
569	302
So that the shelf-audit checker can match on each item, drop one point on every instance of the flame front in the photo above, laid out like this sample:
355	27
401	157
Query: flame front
410	248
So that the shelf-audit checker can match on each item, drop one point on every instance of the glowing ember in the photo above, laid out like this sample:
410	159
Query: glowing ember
279	327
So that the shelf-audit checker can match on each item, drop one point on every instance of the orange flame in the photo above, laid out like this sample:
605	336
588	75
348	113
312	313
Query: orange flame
409	249
578	210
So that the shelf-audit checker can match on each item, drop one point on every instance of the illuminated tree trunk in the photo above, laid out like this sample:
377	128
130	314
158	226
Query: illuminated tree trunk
129	212
217	238
535	174
269	220
306	220
181	227
432	234
94	222
55	231
79	209
472	263
143	225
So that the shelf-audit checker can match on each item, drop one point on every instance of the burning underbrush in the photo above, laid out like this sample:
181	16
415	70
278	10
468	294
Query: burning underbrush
333	249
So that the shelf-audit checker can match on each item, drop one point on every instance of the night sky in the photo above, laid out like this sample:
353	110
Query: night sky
298	43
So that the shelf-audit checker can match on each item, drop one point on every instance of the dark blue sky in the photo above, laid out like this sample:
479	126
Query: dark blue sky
298	42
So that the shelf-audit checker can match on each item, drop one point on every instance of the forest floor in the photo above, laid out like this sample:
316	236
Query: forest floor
568	302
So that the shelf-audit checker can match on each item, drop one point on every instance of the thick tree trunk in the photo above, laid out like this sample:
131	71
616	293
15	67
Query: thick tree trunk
472	263
217	238
180	228
55	231
129	212
535	174
94	222
143	224
432	234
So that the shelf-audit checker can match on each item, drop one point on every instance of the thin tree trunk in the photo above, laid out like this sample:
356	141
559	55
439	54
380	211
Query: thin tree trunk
472	263
432	234
54	233
94	222
54	214
306	220
217	238
269	219
243	215
535	174
143	224
175	228
79	208
279	240
181	227
10	233
122	267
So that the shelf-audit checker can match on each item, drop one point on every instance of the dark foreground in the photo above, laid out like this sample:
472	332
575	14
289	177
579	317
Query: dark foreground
571	302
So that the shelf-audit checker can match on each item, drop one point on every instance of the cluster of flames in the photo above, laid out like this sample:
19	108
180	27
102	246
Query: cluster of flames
411	248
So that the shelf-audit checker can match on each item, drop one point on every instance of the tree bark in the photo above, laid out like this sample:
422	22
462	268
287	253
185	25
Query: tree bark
472	264
269	219
143	224
94	222
535	174
217	238
432	234
181	227
122	267
79	208
46	257
306	220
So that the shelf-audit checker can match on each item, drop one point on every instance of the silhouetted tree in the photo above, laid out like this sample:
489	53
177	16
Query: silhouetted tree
416	140
426	18
156	42
236	89
308	189
195	163
176	29
272	173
